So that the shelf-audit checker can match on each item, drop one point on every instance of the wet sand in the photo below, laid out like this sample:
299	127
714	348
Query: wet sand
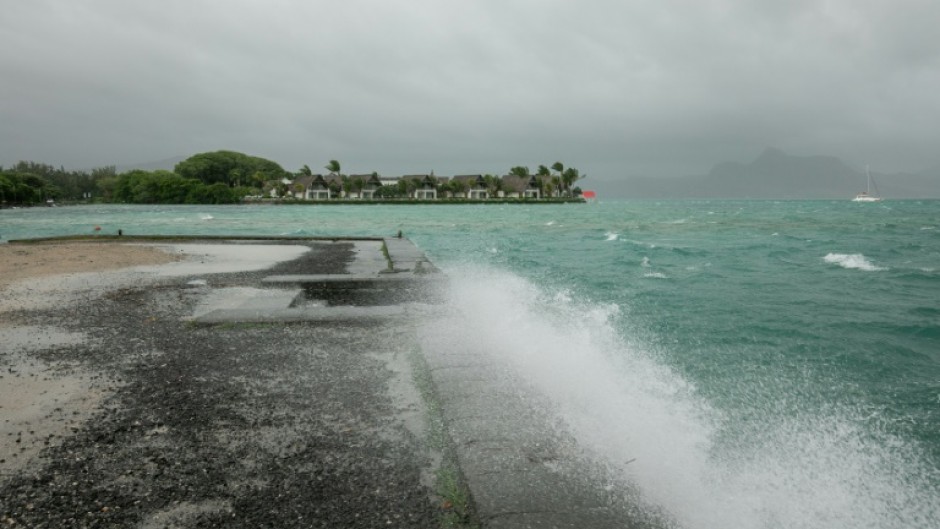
30	261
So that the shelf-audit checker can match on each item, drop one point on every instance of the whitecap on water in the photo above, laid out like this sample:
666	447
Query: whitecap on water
611	236
855	261
206	217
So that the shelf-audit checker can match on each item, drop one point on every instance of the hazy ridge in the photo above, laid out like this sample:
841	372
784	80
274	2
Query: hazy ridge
776	174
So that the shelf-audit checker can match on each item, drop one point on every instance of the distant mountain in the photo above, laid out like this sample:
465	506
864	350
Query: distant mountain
167	164
776	174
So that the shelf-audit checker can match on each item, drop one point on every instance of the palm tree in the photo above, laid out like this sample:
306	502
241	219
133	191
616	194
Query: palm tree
569	177
305	170
493	185
333	167
519	170
543	171
357	184
557	183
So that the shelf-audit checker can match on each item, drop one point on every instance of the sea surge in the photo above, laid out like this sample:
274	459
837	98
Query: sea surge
825	465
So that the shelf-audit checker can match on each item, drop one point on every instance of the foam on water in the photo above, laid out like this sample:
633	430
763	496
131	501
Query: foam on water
611	236
706	467
852	261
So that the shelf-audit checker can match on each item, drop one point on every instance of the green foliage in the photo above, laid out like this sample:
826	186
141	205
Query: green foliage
164	187
549	183
519	170
230	168
57	183
22	188
333	167
493	184
226	177
458	186
389	192
570	176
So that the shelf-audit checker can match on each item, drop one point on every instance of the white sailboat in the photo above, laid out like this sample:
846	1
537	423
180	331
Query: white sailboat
867	195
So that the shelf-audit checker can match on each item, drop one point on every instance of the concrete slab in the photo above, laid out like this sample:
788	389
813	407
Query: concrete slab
347	314
600	518
369	259
521	465
220	258
534	490
349	281
403	250
258	299
406	257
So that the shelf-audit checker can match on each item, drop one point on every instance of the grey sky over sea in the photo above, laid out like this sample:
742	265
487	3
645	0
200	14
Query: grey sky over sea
615	88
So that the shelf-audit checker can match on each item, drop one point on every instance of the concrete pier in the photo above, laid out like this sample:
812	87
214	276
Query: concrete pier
242	382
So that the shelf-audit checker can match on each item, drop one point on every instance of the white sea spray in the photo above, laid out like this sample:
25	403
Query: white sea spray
625	406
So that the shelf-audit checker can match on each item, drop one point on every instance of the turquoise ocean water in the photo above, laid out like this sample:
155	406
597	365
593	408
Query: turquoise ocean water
746	363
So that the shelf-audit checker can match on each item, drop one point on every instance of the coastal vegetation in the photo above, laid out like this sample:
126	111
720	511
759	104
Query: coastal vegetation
228	177
28	183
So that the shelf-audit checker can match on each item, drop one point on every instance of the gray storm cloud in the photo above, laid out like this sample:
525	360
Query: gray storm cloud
615	88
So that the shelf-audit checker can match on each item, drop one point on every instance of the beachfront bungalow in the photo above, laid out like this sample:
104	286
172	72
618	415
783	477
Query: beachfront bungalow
425	186
475	185
316	187
418	187
522	187
371	183
300	186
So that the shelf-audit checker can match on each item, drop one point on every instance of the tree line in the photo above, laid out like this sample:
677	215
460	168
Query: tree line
28	183
219	177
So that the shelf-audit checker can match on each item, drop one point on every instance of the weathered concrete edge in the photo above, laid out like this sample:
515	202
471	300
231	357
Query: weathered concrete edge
170	238
311	314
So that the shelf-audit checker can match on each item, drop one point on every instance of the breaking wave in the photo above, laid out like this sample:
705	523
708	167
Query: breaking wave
707	468
855	261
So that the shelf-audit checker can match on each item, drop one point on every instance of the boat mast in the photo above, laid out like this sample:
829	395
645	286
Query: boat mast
871	183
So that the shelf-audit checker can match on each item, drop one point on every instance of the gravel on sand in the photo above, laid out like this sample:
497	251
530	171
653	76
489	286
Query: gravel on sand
155	422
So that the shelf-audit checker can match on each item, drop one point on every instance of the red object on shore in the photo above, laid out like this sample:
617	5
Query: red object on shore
589	194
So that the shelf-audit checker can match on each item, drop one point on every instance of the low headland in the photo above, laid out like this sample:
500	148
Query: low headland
228	177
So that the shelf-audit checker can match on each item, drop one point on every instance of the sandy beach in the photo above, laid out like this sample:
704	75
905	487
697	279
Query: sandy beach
29	261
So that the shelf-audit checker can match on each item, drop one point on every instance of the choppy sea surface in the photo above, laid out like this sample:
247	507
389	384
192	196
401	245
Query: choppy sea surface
748	364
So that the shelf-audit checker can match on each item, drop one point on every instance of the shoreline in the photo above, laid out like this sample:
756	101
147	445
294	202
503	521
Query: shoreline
338	202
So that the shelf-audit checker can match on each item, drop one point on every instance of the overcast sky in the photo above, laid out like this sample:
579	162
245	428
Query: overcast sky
617	88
